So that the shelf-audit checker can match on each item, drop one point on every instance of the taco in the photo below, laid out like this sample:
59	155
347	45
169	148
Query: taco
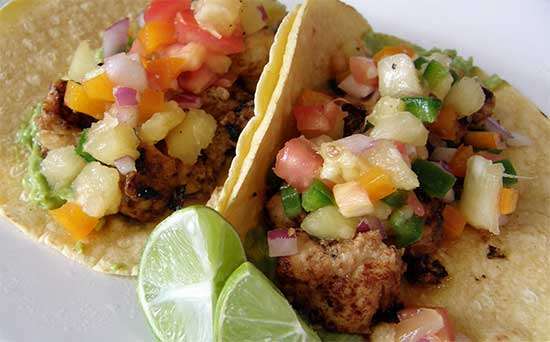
145	124
407	187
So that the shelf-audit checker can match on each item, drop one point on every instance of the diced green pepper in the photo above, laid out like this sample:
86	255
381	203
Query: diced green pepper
80	147
396	199
435	181
435	73
316	196
423	107
493	82
291	201
419	62
510	170
463	67
407	227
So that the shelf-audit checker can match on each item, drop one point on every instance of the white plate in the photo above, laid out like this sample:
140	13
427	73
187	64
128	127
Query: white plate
46	297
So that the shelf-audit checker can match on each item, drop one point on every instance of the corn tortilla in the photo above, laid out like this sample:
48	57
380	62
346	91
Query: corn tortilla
37	41
488	299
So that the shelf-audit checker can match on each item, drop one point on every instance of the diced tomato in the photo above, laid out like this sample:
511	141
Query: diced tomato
71	217
483	139
151	102
165	10
298	163
446	125
166	70
393	50
453	223
314	120
313	98
415	205
364	70
78	100
187	30
460	159
416	324
198	80
508	200
99	88
377	183
156	34
490	156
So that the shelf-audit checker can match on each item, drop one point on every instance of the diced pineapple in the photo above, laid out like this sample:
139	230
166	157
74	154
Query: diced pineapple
401	126
83	62
382	210
61	166
186	140
109	140
397	76
386	156
479	202
252	17
466	96
219	17
352	200
329	224
340	164
157	127
387	105
219	64
97	191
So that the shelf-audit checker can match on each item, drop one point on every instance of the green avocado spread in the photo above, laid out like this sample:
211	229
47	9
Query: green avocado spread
34	182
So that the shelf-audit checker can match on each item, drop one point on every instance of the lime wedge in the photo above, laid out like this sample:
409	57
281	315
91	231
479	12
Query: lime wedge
185	263
251	308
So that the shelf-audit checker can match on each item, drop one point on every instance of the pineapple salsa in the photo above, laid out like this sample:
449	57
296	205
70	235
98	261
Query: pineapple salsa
395	157
149	121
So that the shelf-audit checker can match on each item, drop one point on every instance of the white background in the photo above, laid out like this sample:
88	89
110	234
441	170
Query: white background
45	297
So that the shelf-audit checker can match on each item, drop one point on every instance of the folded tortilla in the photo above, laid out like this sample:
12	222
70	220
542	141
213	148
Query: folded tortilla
38	40
488	299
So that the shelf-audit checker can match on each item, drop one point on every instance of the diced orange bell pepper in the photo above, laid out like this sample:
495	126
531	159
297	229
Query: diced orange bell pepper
483	139
156	34
508	200
460	160
446	124
166	70
453	223
99	88
314	98
393	50
71	217
78	100
377	183
151	102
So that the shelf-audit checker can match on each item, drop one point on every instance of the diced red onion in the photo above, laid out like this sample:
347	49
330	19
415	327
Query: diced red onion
449	196
141	19
443	166
351	87
263	12
125	165
186	101
415	205
125	96
491	124
124	71
281	243
416	326
519	140
370	223
127	115
445	154
115	38
503	219
357	143
436	141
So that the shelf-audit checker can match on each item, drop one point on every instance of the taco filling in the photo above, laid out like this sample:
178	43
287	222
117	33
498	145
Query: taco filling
149	122
396	155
